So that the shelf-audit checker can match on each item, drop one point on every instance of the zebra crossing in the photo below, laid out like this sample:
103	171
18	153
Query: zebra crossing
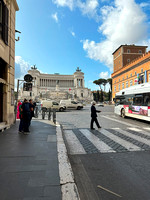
85	141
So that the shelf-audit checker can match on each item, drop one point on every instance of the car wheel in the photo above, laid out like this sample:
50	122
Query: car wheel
61	109
123	113
78	108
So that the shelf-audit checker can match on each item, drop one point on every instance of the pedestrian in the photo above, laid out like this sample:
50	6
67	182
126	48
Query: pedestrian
94	116
26	109
32	110
18	112
21	119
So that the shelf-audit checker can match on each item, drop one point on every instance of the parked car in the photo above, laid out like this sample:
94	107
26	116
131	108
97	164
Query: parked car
71	104
100	104
45	104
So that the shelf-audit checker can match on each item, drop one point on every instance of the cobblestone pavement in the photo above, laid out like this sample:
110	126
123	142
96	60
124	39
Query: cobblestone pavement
116	135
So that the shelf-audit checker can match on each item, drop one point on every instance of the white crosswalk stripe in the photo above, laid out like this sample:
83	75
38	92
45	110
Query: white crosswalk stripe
75	146
100	145
140	130
124	143
136	137
106	141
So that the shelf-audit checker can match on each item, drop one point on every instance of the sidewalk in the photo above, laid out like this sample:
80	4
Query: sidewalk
29	167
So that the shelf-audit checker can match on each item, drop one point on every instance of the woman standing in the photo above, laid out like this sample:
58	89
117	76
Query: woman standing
18	112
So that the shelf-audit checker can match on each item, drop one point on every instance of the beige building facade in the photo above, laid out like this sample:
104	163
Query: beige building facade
56	86
8	10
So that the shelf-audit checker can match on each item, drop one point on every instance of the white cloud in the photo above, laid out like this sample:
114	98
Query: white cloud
63	3
123	23
55	17
21	68
88	7
73	33
144	4
104	75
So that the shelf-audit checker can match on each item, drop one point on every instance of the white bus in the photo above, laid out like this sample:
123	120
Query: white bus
134	102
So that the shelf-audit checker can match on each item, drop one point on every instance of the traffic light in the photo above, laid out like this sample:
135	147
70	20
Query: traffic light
27	87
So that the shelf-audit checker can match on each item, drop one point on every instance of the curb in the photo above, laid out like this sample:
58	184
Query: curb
68	186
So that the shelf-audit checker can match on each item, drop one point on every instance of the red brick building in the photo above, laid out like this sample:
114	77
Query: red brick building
131	66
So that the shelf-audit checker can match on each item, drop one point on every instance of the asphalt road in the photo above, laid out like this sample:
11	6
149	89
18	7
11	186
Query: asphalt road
112	163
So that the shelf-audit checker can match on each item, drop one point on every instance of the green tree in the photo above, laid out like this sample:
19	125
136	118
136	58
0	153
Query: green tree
109	80
101	82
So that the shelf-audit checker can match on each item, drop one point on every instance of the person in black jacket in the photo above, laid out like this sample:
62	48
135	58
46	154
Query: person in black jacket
94	116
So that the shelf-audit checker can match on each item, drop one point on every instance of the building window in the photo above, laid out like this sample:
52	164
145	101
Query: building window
135	81
119	87
122	85
122	78
142	70
140	51
135	73
128	50
4	22
127	84
115	88
128	60
127	76
131	83
119	79
131	75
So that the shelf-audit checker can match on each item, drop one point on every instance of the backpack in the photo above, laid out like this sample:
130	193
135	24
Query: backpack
26	107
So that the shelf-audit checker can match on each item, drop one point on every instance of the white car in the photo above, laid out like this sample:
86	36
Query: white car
46	104
71	104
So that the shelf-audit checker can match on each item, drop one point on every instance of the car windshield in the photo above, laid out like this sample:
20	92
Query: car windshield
73	102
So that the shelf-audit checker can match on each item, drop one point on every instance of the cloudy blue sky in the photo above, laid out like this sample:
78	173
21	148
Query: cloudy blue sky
61	35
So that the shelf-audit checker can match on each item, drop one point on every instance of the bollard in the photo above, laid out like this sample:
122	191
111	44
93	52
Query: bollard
49	114
36	112
43	113
54	116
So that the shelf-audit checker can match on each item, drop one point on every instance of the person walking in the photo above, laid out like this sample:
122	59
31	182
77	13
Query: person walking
94	116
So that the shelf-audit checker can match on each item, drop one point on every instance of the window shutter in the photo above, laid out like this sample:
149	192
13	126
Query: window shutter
5	24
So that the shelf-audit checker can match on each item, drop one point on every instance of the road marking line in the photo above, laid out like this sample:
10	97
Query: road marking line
122	142
100	145
136	137
74	144
147	128
117	120
140	130
109	191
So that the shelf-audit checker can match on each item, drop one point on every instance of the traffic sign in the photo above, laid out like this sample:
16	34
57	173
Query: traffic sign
28	78
27	87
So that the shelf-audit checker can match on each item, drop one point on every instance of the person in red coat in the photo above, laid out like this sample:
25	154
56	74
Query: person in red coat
18	112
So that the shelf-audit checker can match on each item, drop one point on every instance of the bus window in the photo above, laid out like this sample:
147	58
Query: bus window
138	101
146	99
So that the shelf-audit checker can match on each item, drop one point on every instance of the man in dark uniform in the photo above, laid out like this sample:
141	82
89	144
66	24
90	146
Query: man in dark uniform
94	116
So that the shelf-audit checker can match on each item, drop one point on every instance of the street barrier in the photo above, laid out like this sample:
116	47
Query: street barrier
49	112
